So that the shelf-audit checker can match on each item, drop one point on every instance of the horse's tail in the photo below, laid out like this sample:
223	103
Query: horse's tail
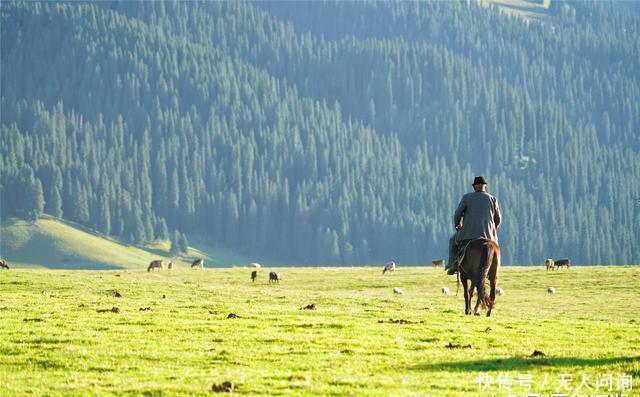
486	260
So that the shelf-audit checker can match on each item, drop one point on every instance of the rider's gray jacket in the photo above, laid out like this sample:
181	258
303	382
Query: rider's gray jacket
481	216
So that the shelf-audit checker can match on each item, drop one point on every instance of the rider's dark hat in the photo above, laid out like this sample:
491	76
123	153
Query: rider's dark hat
479	180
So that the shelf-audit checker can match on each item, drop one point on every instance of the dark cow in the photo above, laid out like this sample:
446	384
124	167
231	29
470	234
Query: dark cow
562	262
438	262
4	264
156	265
274	277
254	275
198	264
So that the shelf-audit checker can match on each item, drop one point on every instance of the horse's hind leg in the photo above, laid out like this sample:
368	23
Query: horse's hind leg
492	295
471	291
476	310
467	297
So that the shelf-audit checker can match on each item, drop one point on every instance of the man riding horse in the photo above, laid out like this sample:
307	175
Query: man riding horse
481	216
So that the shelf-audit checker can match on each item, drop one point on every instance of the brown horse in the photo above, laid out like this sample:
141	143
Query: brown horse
481	260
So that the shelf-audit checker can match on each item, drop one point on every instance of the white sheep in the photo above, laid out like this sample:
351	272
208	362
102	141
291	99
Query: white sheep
499	291
445	291
551	290
390	267
398	291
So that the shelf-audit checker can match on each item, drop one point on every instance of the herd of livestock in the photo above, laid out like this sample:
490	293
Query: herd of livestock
158	265
390	267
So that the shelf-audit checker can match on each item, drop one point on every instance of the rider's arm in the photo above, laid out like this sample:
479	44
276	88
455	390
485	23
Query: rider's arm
497	217
457	216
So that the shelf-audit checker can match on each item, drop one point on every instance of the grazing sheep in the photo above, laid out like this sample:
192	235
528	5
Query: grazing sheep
390	267
563	262
274	277
398	291
499	291
438	262
255	265
4	264
550	264
445	291
156	265
254	275
198	264
551	290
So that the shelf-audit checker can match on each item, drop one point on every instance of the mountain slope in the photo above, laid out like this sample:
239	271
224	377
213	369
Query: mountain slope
54	244
324	132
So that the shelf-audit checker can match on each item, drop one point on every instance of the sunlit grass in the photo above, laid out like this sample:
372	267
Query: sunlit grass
54	341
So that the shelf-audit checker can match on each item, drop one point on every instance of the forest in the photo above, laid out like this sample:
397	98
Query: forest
325	133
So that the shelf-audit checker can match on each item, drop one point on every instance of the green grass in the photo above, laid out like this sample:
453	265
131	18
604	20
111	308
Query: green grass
53	243
53	340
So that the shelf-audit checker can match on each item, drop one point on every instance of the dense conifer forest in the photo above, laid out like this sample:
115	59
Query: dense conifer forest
325	132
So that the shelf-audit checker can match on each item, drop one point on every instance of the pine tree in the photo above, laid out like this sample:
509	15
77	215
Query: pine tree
175	242
54	204
183	245
35	199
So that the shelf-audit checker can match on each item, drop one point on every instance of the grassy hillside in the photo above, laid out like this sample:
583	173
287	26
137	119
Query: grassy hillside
55	244
172	335
527	9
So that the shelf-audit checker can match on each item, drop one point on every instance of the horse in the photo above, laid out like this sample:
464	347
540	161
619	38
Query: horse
563	262
481	260
156	265
438	262
198	264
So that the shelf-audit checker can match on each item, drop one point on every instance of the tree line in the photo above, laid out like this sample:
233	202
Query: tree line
330	132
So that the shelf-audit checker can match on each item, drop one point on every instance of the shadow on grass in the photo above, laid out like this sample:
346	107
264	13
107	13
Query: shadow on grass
519	363
159	252
81	266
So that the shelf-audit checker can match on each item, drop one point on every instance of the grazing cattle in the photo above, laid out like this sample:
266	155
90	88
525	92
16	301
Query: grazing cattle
438	263
551	290
562	262
156	265
398	291
4	264
170	266
255	265
499	291
445	291
389	267
274	277
198	264
254	275
549	264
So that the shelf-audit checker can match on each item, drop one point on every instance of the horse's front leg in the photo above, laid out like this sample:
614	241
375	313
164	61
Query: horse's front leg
467	297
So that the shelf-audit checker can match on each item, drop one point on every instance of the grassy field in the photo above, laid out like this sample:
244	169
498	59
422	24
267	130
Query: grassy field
57	244
172	335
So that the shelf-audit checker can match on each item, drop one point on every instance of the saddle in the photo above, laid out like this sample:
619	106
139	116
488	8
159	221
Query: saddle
461	252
